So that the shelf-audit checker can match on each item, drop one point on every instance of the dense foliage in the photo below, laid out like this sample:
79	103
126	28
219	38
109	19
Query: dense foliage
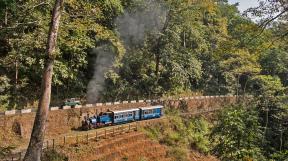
205	46
249	134
23	35
159	48
254	131
241	132
238	135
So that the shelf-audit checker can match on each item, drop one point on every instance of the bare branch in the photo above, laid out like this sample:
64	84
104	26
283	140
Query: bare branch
266	23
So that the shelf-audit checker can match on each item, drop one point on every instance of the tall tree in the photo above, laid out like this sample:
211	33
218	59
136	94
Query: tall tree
37	137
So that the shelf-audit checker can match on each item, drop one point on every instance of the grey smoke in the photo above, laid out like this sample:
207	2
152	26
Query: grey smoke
132	27
103	62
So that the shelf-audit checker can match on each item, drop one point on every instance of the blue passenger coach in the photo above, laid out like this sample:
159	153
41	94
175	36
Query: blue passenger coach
126	116
151	112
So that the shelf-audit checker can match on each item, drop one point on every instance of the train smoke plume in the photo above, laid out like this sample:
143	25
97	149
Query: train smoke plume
104	61
132	27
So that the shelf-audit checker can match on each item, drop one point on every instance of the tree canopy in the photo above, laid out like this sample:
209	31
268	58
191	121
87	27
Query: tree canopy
113	50
161	47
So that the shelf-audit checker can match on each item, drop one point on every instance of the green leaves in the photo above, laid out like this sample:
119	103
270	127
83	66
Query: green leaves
84	25
267	86
274	61
240	62
201	45
237	134
5	151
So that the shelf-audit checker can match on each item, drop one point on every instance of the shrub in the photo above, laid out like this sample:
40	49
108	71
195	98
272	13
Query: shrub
153	132
281	156
181	132
198	131
4	151
178	153
53	155
142	159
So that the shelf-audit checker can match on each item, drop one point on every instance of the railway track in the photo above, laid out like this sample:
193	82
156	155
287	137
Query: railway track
106	104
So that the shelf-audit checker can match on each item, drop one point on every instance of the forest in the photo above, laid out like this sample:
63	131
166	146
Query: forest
113	50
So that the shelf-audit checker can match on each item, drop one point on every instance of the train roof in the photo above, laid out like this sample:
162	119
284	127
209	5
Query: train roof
129	110
151	107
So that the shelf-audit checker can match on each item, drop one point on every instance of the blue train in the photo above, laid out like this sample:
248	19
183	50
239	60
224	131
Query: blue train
121	117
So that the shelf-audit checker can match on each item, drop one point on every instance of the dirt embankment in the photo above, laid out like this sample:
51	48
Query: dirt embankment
15	129
135	146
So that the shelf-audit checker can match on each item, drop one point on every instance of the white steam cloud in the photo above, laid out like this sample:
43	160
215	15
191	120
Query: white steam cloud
103	62
132	27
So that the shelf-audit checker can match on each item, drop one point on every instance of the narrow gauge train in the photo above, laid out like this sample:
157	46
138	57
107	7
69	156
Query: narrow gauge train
121	117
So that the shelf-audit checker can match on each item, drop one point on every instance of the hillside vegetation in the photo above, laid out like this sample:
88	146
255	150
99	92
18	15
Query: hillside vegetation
113	50
239	132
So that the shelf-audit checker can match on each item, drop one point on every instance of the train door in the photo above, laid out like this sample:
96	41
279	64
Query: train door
134	115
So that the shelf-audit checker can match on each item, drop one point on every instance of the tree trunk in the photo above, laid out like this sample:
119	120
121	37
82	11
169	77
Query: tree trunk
37	137
237	85
184	39
157	48
16	73
245	86
266	123
237	88
6	16
282	130
281	140
157	61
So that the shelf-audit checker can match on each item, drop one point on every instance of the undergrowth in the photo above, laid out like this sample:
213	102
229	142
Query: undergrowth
53	155
181	134
4	151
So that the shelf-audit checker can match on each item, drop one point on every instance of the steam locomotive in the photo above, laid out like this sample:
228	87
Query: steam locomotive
122	117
